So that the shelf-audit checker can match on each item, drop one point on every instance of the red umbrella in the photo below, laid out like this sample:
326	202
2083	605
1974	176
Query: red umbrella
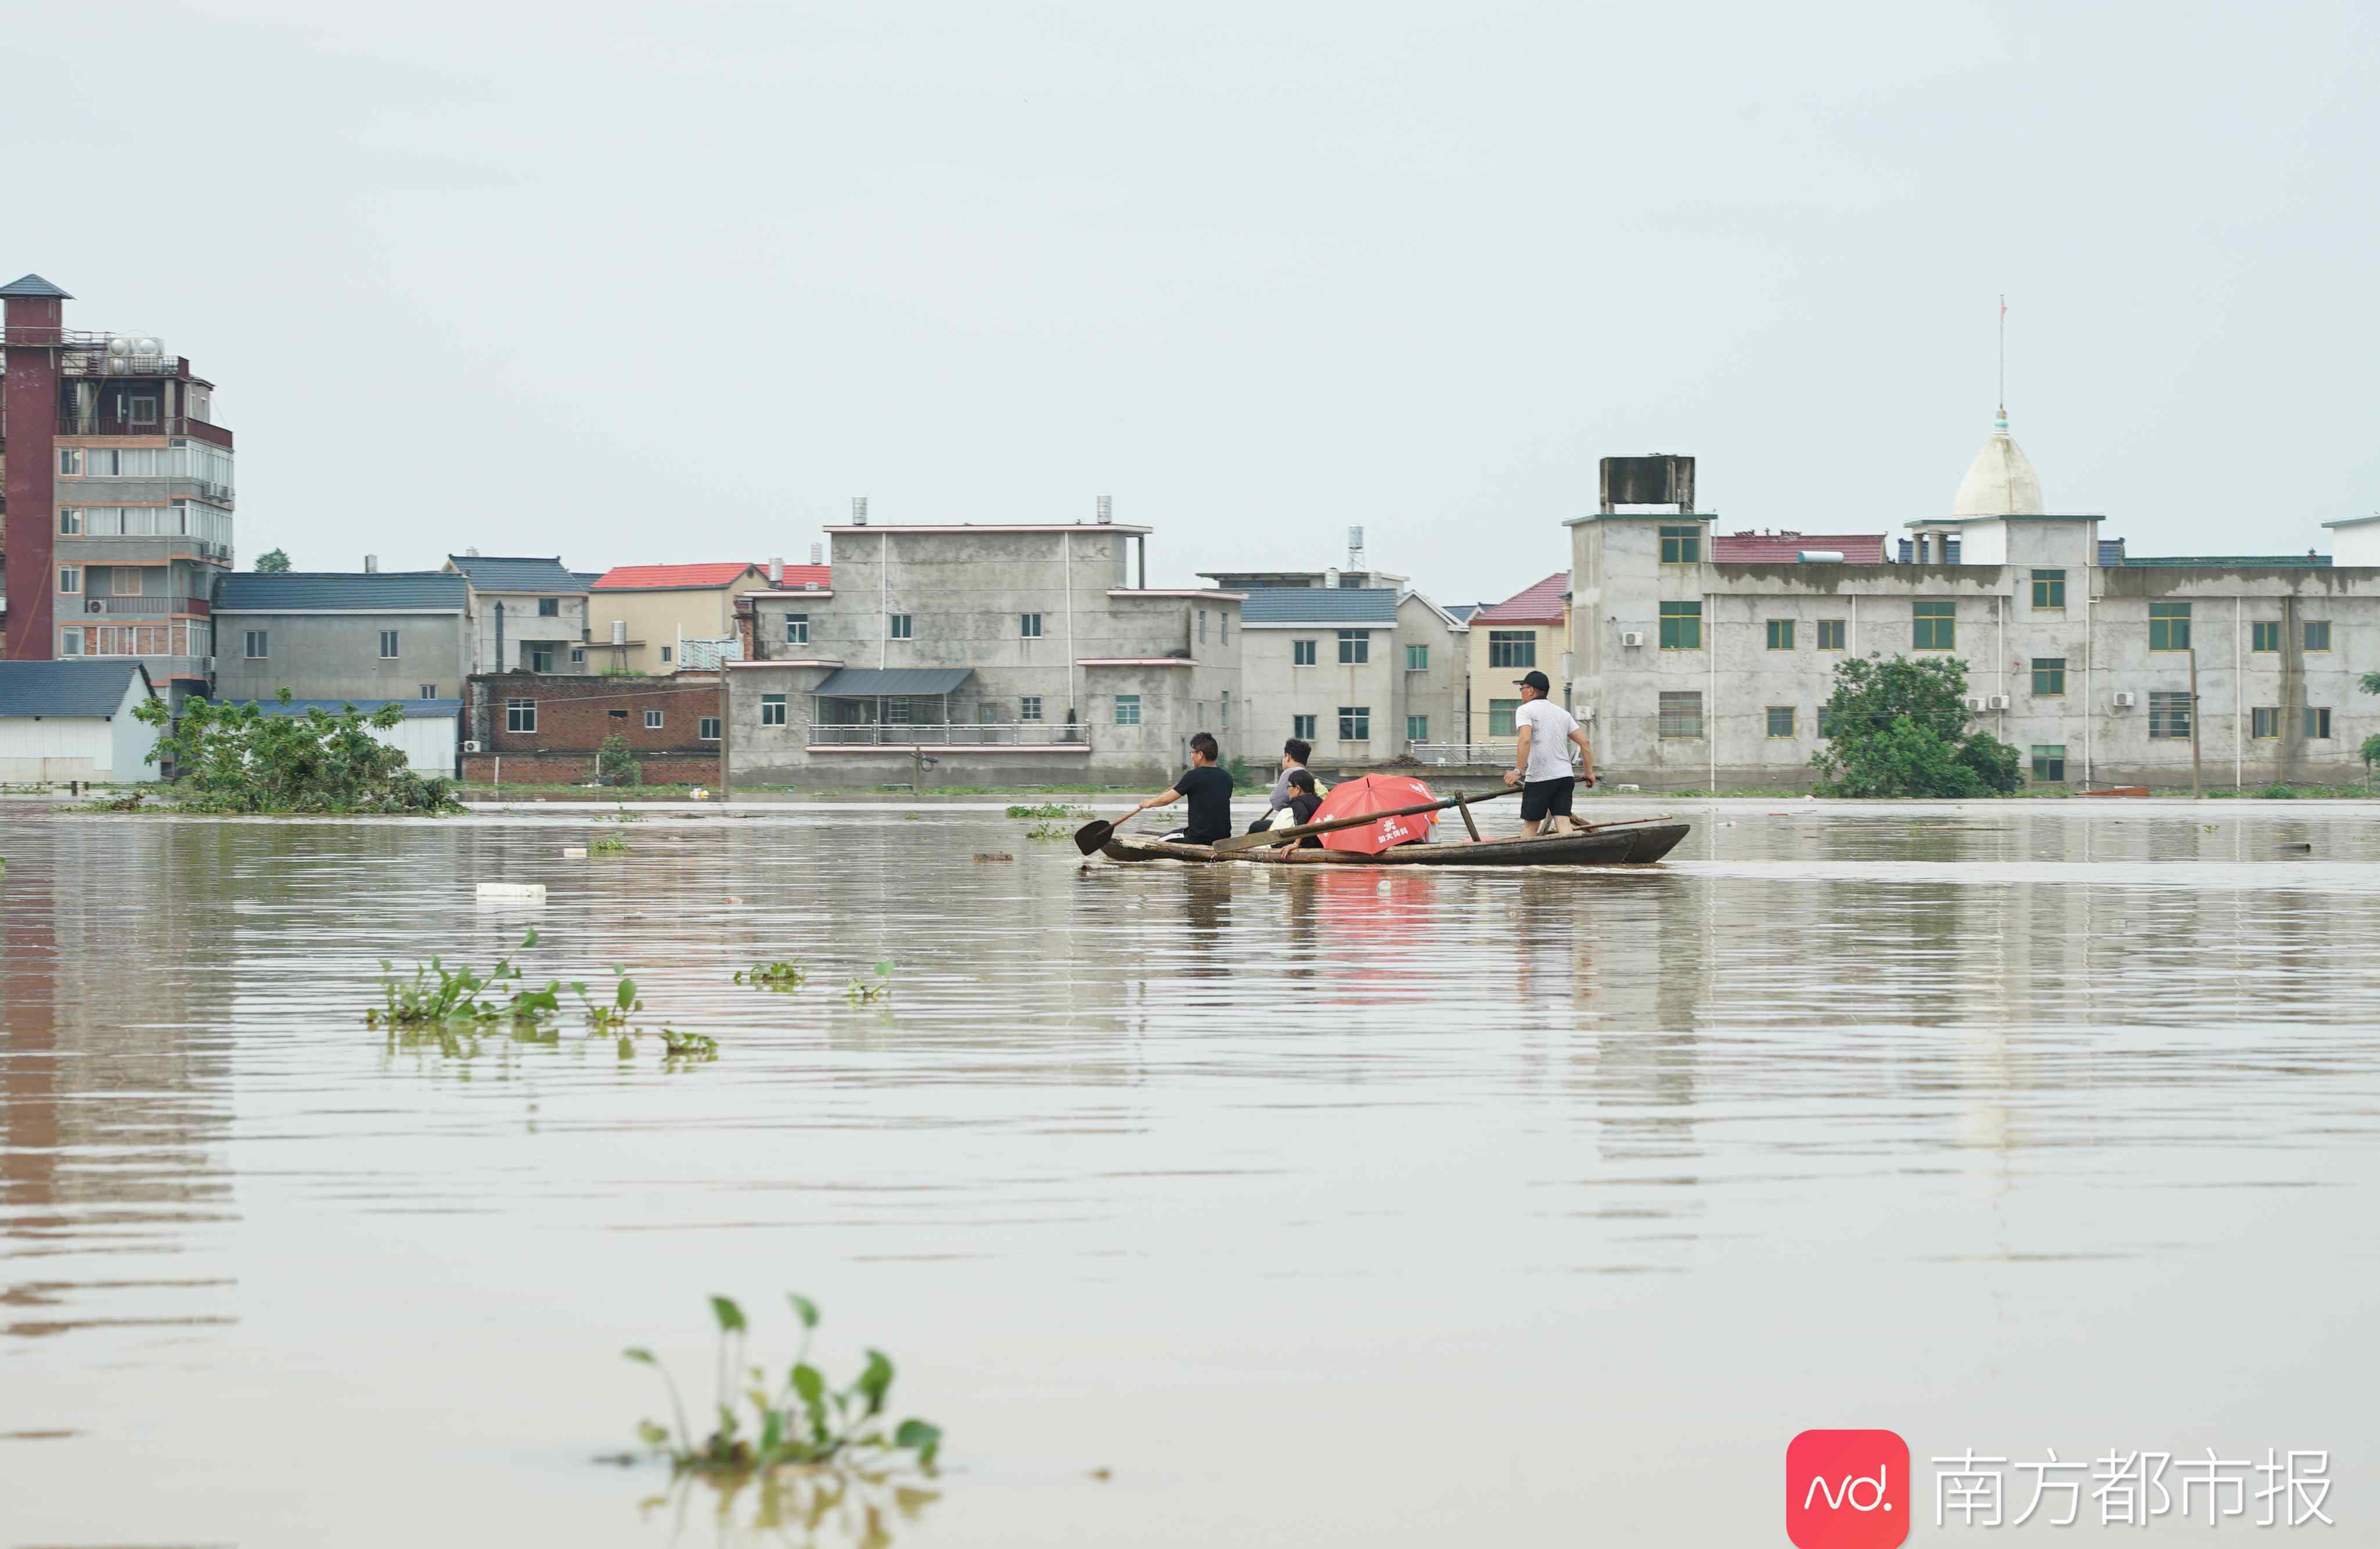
1376	792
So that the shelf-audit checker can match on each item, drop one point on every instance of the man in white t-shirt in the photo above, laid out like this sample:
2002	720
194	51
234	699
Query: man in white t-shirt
1541	764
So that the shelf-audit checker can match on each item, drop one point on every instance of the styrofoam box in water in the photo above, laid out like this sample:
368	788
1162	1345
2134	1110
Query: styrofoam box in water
512	892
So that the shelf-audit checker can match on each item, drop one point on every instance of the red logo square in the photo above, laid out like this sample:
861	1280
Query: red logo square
1847	1490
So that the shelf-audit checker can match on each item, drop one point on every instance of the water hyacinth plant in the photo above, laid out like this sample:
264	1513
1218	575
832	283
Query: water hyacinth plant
802	1423
607	844
437	994
861	990
771	975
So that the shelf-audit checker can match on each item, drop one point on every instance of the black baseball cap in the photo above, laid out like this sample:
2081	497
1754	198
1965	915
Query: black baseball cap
1537	681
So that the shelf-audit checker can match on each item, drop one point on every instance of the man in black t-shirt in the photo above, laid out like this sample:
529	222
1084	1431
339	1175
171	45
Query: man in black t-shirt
1208	789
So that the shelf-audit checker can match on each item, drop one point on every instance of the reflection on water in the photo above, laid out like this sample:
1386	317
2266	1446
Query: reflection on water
1966	1121
806	1506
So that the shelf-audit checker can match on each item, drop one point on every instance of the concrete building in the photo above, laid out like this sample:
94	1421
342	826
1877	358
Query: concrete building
644	615
1699	670
531	729
119	489
1019	653
526	616
1527	632
62	721
366	636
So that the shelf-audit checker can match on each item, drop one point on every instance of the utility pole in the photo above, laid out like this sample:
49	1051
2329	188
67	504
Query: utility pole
727	732
2197	787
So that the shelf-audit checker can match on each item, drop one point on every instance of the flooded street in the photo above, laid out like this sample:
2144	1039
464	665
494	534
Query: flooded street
1324	1207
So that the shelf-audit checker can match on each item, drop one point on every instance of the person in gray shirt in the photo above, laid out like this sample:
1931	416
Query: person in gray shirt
1293	755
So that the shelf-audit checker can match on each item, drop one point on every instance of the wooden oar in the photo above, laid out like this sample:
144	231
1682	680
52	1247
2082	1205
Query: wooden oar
1289	836
1094	834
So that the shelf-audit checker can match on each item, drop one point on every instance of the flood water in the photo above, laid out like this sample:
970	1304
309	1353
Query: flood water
1314	1207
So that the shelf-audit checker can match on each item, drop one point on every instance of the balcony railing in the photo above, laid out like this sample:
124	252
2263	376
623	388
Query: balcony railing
1461	753
1007	735
152	607
195	430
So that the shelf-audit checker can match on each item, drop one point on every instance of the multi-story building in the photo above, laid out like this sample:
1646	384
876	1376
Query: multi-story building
119	492
1527	632
526	616
658	618
1698	669
1017	651
365	636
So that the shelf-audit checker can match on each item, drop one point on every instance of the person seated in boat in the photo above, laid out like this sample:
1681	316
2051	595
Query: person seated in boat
1541	761
1293	755
1303	797
1206	788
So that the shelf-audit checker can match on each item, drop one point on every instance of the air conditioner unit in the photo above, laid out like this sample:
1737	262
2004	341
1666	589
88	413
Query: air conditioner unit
1974	702
471	747
1999	701
94	606
1586	716
2126	701
1633	638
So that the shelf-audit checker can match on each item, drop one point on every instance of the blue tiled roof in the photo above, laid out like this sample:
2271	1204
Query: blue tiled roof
415	709
1320	605
495	574
34	286
63	688
305	591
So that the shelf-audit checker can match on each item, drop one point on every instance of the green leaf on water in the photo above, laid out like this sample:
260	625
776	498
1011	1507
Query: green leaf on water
884	968
651	1434
810	1385
806	1309
627	993
927	1439
874	1381
641	1354
730	1316
529	940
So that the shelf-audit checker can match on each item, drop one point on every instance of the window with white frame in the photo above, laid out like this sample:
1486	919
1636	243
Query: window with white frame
388	644
797	629
653	720
1028	707
70	521
772	709
1127	709
1028	626
520	715
900	626
71	643
69	580
256	646
1354	723
70	462
707	729
429	691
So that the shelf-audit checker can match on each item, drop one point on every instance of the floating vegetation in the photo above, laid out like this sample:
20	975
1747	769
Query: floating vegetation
688	1045
1049	831
804	1423
607	844
128	801
773	975
1049	809
604	1019
440	996
620	814
862	990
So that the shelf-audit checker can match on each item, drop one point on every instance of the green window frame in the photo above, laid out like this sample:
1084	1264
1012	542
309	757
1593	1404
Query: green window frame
2048	590
1682	545
2168	626
1127	709
2317	634
1304	653
2317	723
1416	659
2265	635
2048	676
1780	635
1780	720
2265	722
1681	627
1302	727
1511	648
2049	764
1501	718
1934	626
1416	728
1830	635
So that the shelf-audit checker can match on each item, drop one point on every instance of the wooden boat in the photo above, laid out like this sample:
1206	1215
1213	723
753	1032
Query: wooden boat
1613	846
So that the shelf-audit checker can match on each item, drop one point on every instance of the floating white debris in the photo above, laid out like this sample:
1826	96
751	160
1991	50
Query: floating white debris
576	853
512	892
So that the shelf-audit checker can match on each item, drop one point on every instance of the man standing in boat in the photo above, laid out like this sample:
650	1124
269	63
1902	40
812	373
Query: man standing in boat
1541	763
1208	791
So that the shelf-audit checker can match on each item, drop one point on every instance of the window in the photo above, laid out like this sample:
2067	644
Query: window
1301	726
70	521
540	658
429	691
1416	659
549	607
1301	653
1503	717
140	411
1780	720
1682	714
1202	629
2317	632
986	712
1354	723
2265	721
1830	635
1780	635
1223	627
797	629
71	643
1355	646
577	656
1028	708
665	653
1127	706
388	644
257	641
2317	723
1028	626
1416	728
124	581
2169	714
1682	545
621	716
896	710
653	720
2265	635
2048	590
69	580
2049	764
772	709
520	715
705	728
1826	720
901	626
1227	709
70	461
2168	626
2048	676
1935	626
1681	627
1511	648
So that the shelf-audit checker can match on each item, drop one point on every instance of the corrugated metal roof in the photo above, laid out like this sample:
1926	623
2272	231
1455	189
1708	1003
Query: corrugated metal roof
492	572
415	709
2111	551
385	591
1321	605
1787	548
1540	604
622	576
867	682
33	285
63	688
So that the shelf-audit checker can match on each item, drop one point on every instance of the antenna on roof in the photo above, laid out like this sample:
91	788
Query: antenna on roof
2003	360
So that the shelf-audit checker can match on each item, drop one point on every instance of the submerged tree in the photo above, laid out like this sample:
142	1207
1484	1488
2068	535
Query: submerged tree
614	762
272	562
1898	728
239	758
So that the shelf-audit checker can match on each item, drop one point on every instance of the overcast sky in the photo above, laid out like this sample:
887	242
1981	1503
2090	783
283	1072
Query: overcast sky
638	284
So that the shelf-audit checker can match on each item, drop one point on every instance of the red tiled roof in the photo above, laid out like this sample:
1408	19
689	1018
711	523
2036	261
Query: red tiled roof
800	575
1785	548
1540	604
719	574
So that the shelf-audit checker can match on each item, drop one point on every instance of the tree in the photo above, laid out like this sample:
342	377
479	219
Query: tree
272	562
237	758
615	763
1898	728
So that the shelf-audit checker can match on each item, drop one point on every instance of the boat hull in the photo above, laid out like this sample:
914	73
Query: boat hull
1619	846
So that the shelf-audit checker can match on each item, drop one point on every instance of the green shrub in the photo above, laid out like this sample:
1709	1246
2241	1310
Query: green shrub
237	759
1898	728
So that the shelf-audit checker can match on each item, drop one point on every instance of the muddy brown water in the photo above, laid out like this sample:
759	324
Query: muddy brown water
1401	1208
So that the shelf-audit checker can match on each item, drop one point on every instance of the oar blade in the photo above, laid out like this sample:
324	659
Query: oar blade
1091	836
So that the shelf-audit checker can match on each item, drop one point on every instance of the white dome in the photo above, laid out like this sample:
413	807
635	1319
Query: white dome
2001	481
